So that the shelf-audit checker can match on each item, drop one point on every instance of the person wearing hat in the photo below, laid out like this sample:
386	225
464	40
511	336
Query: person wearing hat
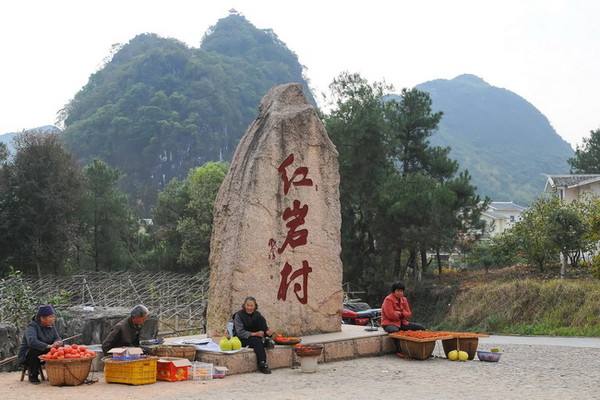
40	336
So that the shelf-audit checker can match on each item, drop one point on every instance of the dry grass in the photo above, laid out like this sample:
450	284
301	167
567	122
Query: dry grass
528	306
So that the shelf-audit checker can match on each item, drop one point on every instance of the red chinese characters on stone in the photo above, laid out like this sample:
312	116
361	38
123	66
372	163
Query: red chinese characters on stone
295	217
287	277
272	248
300	172
295	237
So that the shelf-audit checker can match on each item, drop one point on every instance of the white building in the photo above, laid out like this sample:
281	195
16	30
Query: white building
572	187
500	216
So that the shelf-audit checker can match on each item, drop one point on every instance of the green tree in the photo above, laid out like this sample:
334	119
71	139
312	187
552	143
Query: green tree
412	122
183	218
196	228
532	233
434	204
495	252
106	218
3	152
587	157
40	202
568	231
170	208
400	197
357	126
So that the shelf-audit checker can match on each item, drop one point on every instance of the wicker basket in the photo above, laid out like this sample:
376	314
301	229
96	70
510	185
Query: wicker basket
417	350
463	344
180	351
68	372
308	350
134	372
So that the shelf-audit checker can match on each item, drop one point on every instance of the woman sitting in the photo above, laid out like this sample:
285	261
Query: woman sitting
395	311
251	327
40	336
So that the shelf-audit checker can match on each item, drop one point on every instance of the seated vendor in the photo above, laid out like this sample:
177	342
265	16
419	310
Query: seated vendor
251	327
126	333
40	336
395	311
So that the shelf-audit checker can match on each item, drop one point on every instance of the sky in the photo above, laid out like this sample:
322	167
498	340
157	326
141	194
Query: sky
546	51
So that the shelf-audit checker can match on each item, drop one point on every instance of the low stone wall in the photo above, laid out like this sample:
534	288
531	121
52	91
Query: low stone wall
9	344
94	325
284	356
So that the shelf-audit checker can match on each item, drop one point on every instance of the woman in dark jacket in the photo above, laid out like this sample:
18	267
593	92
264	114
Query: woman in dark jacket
251	327
40	336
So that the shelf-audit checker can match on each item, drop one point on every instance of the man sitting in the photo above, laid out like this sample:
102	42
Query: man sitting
126	333
40	336
395	311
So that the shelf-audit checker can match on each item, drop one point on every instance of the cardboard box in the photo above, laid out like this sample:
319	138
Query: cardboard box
172	369
126	353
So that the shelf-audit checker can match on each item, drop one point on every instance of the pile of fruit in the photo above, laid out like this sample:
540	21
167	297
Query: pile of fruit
420	334
68	352
308	350
456	355
230	344
286	340
461	335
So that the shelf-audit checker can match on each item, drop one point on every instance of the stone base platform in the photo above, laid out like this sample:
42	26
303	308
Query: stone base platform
352	342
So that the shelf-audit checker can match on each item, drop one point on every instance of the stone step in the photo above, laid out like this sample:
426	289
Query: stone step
351	342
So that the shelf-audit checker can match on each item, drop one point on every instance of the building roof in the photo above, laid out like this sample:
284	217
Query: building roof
493	215
506	206
556	181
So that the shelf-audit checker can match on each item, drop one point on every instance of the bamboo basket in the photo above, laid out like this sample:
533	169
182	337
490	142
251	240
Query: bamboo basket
309	350
417	350
179	351
71	372
468	344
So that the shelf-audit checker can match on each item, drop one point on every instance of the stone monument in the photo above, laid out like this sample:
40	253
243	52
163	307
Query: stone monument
276	230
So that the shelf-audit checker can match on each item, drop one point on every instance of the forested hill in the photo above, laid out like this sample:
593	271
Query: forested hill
502	139
159	107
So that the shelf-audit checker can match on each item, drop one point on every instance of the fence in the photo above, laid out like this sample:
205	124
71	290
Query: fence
178	300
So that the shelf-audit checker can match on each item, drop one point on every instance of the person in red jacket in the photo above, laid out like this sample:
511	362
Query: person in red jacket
395	311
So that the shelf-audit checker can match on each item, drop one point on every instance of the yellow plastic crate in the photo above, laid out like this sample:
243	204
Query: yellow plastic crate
134	372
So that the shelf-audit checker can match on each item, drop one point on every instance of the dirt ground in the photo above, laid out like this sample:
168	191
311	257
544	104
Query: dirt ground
524	372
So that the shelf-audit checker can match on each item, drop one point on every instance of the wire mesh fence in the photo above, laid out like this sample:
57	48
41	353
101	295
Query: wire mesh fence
177	300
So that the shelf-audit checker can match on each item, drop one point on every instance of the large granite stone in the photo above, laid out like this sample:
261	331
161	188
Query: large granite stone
276	231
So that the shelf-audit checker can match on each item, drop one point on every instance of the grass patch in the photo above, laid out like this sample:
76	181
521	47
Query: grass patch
529	307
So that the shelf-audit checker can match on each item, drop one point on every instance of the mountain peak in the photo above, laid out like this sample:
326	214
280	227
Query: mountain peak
470	79
501	138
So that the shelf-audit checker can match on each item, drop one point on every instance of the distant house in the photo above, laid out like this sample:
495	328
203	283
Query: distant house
500	216
572	187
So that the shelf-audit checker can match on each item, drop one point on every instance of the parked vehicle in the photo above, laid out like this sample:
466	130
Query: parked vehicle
360	313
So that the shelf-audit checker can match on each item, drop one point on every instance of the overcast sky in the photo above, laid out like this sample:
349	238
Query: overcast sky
546	51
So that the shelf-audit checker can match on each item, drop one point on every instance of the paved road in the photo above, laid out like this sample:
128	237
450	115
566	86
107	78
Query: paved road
590	342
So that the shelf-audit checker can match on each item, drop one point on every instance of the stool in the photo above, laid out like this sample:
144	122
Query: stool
25	370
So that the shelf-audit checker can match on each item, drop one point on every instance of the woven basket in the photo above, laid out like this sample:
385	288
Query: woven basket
464	344
309	350
179	351
417	350
68	372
